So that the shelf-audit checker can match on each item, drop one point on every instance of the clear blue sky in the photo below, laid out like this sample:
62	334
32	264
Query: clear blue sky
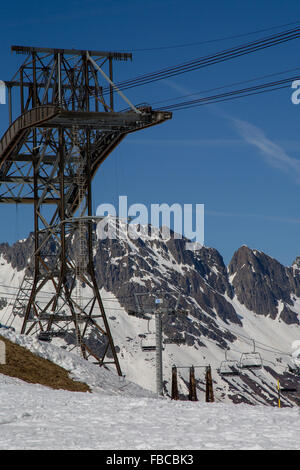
241	158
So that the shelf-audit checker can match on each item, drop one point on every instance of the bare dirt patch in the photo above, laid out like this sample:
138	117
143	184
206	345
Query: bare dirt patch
24	365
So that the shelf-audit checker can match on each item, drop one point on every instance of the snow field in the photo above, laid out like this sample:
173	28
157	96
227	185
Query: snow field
35	417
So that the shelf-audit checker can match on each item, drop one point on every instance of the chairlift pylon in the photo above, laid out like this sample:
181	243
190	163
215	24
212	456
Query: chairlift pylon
251	360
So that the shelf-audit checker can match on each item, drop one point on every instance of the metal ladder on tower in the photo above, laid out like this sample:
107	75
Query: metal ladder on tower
81	253
21	299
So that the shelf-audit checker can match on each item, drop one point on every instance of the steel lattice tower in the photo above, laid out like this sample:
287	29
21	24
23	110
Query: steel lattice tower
66	128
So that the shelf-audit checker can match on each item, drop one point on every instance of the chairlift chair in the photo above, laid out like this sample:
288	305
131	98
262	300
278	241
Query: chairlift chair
251	360
176	340
58	334
6	327
293	369
180	338
229	368
148	343
45	336
179	341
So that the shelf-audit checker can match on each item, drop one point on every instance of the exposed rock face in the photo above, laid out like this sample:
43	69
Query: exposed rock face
296	263
19	253
125	267
157	265
260	283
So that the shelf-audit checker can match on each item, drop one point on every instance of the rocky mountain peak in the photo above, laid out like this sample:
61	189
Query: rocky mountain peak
261	283
296	263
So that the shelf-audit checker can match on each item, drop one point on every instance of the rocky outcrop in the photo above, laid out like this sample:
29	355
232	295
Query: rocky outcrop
261	283
201	278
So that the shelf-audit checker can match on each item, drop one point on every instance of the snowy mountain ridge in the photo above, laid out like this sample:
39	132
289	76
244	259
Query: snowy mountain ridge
254	304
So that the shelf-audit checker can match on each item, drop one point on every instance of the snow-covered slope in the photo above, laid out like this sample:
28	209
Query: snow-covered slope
255	298
35	417
99	379
120	415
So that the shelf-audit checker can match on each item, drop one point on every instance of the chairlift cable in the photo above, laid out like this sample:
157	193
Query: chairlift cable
195	64
209	41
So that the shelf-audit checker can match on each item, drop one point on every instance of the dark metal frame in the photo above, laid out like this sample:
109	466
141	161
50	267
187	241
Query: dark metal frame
64	132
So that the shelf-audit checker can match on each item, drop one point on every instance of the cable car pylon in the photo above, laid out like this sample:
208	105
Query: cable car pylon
60	98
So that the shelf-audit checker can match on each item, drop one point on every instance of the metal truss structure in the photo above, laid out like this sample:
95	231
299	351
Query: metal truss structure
66	128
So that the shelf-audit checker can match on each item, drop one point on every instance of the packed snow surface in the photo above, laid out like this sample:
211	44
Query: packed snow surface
35	417
121	415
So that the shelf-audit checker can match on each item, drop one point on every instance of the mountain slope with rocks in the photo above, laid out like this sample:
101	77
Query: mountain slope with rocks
252	306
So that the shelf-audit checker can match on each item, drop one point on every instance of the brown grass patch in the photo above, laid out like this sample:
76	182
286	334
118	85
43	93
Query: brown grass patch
24	365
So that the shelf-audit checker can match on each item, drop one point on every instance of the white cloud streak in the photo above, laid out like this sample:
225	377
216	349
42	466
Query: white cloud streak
274	155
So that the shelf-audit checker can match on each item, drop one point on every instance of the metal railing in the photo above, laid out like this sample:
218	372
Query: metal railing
28	119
